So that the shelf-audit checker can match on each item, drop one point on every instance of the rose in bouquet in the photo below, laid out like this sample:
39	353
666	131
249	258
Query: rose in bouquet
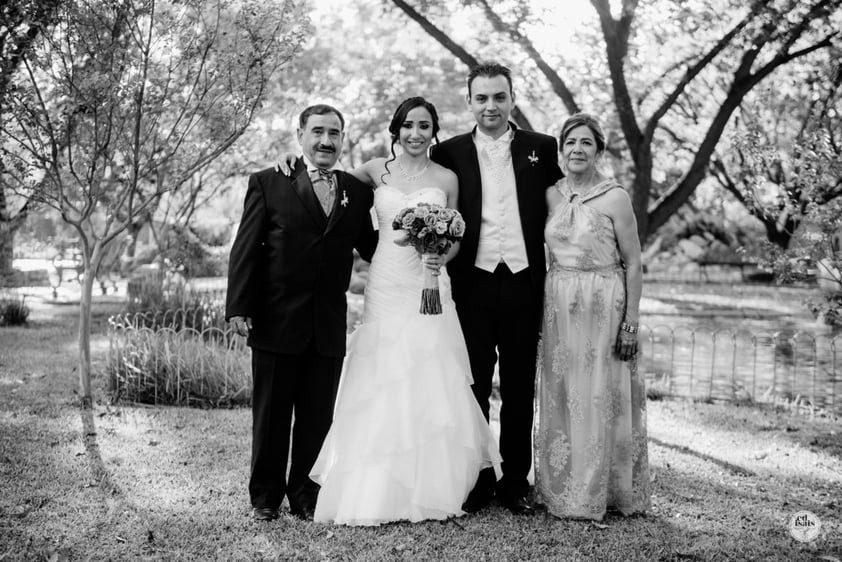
430	229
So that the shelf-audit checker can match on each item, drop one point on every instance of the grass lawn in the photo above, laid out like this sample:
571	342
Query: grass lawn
137	483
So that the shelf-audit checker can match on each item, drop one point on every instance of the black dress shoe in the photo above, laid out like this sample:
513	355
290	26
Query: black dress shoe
303	512
265	513
479	498
518	505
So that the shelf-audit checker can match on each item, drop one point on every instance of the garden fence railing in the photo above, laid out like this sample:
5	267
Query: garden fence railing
798	368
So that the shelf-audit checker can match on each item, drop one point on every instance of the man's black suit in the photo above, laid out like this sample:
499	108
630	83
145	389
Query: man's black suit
500	312
289	272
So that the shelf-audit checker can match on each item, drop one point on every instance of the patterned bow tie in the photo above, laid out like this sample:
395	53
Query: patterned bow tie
324	188
321	173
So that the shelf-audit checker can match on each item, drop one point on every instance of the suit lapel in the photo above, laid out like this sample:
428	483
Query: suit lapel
471	186
520	163
304	189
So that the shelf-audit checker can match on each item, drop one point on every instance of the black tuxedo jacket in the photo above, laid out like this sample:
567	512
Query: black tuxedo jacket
290	264
535	161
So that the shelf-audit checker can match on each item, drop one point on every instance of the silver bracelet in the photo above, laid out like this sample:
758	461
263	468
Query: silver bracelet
626	327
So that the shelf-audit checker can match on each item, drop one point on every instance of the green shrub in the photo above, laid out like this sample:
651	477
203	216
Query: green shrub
13	311
194	312
171	305
178	368
185	250
177	349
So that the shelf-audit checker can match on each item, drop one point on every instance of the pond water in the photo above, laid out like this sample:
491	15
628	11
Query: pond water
739	341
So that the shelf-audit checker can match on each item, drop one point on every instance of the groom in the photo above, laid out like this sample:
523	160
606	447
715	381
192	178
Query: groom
497	278
289	270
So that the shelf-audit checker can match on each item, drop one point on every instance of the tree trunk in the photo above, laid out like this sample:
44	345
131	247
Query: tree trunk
641	191
7	236
780	235
7	245
85	310
640	194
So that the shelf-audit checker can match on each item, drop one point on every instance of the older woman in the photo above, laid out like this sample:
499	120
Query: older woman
591	437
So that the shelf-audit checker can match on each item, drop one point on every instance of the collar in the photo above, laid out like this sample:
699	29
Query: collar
484	140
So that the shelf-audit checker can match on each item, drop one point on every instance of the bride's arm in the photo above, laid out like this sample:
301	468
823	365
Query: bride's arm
365	172
451	187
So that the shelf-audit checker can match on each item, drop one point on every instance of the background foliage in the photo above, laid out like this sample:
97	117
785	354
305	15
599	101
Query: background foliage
138	121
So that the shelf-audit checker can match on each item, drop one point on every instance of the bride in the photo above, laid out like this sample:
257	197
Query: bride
408	437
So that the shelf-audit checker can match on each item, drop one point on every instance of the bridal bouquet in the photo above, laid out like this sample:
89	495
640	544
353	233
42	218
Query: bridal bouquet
430	229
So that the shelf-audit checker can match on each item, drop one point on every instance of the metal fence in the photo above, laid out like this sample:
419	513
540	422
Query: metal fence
706	272
184	357
793	367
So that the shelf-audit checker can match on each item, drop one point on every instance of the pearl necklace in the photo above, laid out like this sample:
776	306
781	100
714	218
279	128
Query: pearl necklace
412	177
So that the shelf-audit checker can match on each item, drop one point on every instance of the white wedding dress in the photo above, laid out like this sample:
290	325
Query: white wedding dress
408	438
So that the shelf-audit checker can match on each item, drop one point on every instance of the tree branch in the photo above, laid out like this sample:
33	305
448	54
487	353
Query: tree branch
556	83
616	35
455	49
694	70
660	211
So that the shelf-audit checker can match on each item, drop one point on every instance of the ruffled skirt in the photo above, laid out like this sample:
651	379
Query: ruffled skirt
408	438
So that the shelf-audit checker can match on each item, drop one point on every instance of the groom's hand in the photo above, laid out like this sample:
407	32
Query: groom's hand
241	324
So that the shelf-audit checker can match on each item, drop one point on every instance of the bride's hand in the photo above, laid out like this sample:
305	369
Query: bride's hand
433	262
286	164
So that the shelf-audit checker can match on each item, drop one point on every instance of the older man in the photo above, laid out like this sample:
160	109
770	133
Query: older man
288	275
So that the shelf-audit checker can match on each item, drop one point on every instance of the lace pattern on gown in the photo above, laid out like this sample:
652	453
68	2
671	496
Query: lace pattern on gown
590	437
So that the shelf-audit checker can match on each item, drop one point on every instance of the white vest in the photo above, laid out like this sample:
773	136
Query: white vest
500	234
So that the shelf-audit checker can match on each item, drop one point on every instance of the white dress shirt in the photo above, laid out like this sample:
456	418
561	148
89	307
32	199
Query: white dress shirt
500	234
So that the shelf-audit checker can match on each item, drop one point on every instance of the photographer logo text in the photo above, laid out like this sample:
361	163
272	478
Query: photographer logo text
804	526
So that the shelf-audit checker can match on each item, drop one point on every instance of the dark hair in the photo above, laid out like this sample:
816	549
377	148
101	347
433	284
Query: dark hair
589	121
319	109
490	70
399	117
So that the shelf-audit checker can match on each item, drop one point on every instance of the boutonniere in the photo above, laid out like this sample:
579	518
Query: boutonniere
533	158
344	201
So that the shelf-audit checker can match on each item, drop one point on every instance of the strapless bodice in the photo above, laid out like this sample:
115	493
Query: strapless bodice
396	276
388	201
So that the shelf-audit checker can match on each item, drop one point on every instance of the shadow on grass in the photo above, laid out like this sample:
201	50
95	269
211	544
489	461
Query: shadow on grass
817	435
98	471
730	467
700	512
733	517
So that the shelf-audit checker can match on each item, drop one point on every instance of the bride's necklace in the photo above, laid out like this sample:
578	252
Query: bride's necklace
412	177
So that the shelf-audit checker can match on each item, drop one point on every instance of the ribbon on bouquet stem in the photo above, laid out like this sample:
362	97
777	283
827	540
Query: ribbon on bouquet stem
430	295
